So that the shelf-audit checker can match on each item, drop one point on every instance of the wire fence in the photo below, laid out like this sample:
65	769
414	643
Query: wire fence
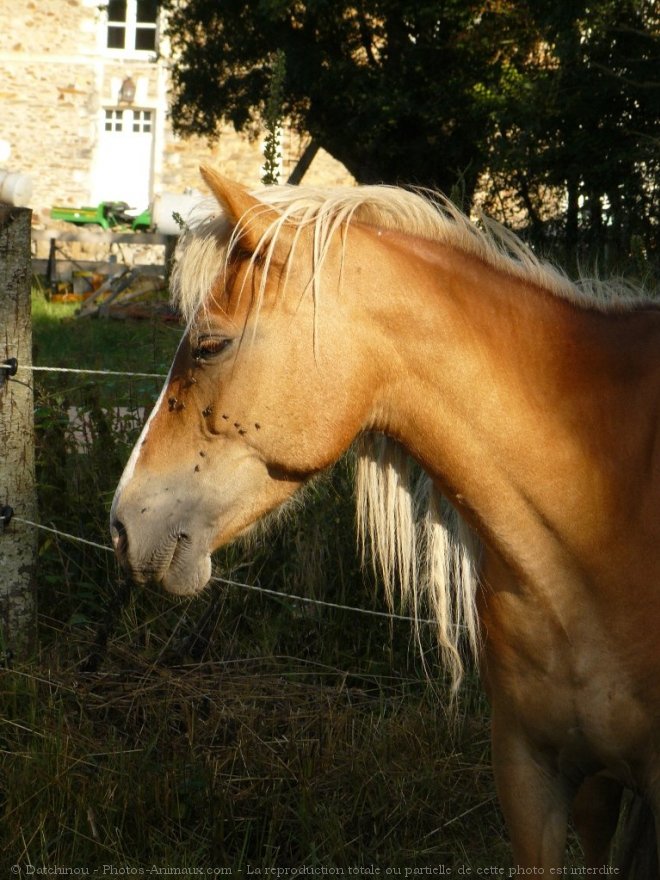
233	583
86	372
67	536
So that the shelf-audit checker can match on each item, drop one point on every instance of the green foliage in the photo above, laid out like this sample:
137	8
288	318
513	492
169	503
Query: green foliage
575	126
551	108
385	87
273	121
61	340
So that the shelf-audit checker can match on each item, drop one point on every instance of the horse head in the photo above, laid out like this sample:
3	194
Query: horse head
268	387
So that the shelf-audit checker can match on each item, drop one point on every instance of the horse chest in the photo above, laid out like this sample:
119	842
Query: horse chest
564	688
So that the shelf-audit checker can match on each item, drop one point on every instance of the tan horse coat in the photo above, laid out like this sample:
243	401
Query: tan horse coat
532	408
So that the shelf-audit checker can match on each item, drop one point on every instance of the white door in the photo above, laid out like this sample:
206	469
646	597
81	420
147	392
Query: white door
124	156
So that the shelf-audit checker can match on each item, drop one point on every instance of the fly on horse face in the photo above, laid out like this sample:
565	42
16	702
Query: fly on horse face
380	318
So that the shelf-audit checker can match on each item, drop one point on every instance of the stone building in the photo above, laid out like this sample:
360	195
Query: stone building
84	106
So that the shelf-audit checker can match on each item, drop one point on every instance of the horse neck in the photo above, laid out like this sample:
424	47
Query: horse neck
505	393
472	356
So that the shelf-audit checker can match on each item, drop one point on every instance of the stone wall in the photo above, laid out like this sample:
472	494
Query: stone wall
241	158
52	136
49	27
56	78
47	107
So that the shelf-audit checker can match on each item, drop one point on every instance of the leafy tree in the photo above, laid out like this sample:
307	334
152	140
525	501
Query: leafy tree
557	100
388	87
581	118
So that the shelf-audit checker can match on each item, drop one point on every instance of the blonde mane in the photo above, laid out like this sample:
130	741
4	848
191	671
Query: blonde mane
208	242
413	535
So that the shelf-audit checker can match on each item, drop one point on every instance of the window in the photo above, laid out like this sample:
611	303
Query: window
114	120
142	121
132	25
136	121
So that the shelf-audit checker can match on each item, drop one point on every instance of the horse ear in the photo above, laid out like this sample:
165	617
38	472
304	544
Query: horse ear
241	207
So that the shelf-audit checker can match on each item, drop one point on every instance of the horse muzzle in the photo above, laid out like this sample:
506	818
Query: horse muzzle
152	546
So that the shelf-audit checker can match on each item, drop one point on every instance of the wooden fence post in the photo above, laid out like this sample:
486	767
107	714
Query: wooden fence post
18	542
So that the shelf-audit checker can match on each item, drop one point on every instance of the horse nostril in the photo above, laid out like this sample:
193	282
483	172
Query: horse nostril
119	538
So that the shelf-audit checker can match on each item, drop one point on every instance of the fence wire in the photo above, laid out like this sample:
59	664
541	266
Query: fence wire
232	583
93	372
31	368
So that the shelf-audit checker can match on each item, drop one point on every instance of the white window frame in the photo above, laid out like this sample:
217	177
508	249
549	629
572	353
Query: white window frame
130	26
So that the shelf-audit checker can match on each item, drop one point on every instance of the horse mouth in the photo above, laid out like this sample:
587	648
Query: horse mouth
176	567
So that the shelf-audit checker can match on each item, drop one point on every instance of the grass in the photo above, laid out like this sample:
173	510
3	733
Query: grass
62	340
264	762
235	731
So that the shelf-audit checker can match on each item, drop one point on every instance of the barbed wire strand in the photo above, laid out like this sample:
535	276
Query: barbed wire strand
250	587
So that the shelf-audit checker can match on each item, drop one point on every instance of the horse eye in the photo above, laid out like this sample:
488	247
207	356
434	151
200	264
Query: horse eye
209	347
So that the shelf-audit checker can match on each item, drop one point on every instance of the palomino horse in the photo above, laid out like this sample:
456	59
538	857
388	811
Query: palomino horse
316	319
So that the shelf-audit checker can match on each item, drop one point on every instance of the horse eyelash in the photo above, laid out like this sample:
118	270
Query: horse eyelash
209	348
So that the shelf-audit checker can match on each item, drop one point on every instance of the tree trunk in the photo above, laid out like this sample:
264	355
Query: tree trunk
18	542
303	163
